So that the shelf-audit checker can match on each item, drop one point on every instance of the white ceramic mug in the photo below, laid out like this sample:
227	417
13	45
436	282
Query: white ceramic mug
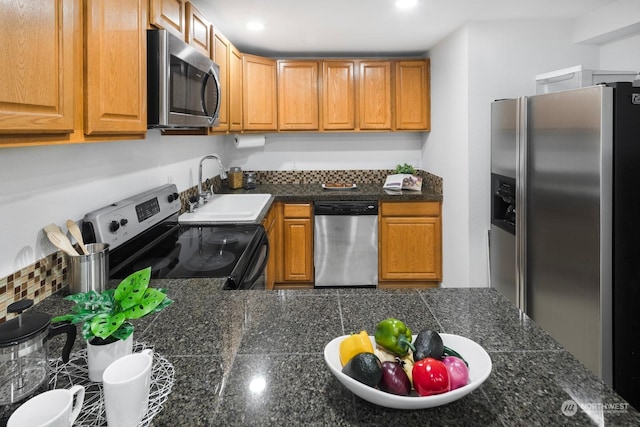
53	408
126	389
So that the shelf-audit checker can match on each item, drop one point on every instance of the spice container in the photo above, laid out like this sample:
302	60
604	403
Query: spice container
250	181
235	178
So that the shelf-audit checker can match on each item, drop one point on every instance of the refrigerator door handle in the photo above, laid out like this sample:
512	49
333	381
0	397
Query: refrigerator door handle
521	208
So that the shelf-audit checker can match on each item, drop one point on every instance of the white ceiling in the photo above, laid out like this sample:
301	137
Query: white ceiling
373	27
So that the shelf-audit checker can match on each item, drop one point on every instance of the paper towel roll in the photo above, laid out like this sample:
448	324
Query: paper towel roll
249	141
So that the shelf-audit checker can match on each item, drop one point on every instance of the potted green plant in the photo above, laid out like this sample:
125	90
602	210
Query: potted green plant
406	169
106	318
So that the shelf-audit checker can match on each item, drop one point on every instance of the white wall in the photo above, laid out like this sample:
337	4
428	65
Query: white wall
622	54
41	185
477	64
446	151
327	151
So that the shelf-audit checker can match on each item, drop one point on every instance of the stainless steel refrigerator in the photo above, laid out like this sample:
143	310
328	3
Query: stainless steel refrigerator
565	229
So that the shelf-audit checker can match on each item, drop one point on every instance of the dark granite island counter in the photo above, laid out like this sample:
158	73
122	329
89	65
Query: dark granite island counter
256	358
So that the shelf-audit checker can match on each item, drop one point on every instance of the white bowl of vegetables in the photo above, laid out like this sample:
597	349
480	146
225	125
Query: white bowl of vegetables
478	368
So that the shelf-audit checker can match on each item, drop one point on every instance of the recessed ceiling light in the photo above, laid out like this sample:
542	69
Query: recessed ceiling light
405	4
255	26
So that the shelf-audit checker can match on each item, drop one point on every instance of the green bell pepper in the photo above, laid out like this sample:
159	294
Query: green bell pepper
395	336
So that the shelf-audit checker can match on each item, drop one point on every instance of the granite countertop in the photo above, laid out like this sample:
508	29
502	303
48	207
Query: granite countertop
219	341
315	192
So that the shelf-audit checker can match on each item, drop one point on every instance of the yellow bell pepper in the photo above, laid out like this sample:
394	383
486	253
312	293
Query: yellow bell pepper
354	344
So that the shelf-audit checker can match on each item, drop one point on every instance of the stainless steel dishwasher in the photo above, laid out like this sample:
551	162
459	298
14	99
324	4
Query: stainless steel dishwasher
346	243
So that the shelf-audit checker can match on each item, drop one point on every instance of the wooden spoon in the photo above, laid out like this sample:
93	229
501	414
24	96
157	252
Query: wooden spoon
77	234
61	242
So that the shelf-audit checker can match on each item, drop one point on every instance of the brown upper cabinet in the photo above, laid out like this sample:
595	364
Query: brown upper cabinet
374	84
413	109
169	15
38	73
71	84
221	51
338	95
235	89
116	79
198	30
259	95
298	97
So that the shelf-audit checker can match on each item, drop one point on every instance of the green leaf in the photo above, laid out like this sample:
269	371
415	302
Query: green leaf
86	331
151	299
123	332
131	290
104	325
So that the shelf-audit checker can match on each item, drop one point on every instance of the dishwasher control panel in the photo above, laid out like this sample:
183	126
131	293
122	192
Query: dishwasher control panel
346	207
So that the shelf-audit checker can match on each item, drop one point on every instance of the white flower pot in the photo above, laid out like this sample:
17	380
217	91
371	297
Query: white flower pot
101	356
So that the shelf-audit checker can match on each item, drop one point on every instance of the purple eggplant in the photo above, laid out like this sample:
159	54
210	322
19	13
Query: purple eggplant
394	379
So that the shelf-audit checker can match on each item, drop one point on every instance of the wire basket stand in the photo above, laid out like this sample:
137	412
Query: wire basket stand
64	375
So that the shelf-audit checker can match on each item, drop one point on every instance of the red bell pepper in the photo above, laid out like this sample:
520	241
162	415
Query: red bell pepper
430	376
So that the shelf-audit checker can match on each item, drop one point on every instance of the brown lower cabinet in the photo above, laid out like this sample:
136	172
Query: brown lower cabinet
410	244
294	246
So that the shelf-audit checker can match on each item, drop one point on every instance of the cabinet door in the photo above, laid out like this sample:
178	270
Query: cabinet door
298	249
296	244
221	46
410	248
235	89
298	98
338	95
198	30
374	84
259	93
168	15
116	66
412	95
37	67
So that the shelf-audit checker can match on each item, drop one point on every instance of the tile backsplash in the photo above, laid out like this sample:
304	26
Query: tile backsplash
48	275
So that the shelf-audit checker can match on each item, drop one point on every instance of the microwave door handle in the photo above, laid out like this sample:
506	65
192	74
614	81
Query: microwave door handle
203	98
210	75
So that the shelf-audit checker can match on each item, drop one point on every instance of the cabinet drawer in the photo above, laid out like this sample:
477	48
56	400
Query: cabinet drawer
297	210
410	209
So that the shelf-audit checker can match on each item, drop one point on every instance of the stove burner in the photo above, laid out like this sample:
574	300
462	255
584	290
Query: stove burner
209	262
155	263
223	237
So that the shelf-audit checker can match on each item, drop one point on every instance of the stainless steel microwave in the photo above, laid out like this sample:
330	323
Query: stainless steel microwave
183	85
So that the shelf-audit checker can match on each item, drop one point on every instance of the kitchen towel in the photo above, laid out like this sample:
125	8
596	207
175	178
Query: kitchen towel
249	141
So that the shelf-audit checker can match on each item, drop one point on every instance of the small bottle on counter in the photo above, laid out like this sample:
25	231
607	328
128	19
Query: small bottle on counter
235	178
250	180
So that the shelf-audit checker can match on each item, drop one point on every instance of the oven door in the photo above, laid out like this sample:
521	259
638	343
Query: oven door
249	271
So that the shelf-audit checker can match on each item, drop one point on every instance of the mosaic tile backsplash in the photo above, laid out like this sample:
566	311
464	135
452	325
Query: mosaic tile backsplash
48	275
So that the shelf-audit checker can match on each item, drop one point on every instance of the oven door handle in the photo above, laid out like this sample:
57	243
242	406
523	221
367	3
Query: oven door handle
249	282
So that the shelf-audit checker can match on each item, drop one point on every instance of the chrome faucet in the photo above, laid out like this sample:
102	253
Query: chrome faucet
203	196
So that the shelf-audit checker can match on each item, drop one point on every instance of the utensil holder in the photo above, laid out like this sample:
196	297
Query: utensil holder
89	272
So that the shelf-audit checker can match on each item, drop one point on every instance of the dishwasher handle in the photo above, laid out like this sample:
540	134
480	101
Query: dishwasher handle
350	208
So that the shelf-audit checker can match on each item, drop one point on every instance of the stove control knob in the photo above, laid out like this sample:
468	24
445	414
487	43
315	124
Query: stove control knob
124	221
114	226
172	197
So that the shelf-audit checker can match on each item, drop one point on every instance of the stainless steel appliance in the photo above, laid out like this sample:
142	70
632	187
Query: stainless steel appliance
183	85
143	231
346	243
574	157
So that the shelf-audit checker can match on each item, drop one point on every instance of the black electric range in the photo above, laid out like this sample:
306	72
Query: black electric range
144	231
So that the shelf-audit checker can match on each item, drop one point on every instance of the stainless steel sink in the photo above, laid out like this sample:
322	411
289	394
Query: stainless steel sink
228	208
